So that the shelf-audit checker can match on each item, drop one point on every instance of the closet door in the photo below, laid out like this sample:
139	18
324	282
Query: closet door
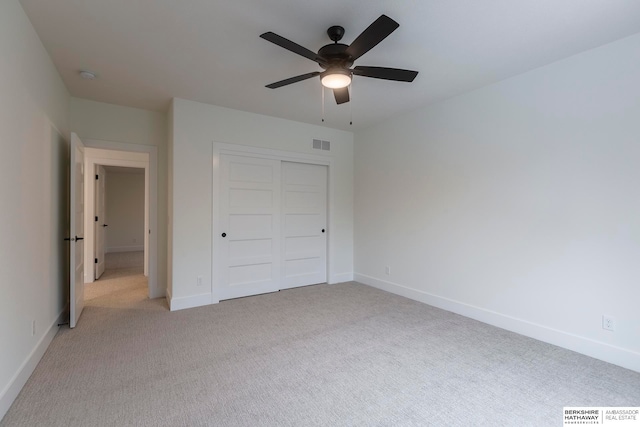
249	237
304	224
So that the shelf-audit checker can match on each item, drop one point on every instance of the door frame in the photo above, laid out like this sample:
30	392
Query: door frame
100	171
110	153
220	148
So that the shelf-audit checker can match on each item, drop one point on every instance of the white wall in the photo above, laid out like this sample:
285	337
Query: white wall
125	210
108	122
195	127
169	205
516	204
33	218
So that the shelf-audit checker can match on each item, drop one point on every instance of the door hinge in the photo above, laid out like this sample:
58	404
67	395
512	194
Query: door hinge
96	219
96	176
96	261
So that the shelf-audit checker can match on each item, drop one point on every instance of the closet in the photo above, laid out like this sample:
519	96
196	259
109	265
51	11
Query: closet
272	225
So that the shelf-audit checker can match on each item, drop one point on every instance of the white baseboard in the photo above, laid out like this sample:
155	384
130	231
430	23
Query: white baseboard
188	302
341	278
596	349
18	381
125	249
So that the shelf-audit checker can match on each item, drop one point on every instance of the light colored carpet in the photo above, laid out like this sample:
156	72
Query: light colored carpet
118	260
118	288
322	355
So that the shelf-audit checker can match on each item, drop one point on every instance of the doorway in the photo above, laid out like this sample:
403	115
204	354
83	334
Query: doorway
119	219
118	157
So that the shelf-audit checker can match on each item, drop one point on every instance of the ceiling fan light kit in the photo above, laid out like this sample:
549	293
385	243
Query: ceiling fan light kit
335	78
337	58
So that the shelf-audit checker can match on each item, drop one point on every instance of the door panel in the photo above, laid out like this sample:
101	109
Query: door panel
304	247
254	248
76	227
304	219
250	257
250	274
247	225
301	199
304	225
100	224
302	267
245	198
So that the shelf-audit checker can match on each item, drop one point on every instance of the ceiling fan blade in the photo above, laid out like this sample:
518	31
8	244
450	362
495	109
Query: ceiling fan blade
295	79
293	47
386	73
342	95
373	35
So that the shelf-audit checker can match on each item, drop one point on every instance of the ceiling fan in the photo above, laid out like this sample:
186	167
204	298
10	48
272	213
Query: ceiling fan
336	58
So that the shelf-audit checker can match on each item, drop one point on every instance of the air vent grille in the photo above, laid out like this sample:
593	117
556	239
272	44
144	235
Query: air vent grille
319	144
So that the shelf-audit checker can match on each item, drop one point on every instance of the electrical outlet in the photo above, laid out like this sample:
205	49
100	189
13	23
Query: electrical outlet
33	328
387	270
608	323
199	281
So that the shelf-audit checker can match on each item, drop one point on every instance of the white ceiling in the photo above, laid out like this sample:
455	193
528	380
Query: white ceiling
148	51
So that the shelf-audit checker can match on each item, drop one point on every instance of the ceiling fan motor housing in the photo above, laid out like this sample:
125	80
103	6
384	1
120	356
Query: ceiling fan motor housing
336	56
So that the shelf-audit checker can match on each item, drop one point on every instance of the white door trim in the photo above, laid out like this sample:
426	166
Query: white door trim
220	148
110	153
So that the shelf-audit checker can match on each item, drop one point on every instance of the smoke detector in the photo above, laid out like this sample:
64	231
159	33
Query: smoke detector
87	75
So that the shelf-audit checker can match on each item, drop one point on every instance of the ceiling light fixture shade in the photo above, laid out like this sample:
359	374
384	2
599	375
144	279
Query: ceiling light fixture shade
336	78
87	75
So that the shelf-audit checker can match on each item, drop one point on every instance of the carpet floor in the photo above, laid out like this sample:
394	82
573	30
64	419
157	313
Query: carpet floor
325	355
120	260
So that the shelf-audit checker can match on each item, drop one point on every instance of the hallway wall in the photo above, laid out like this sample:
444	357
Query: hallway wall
125	210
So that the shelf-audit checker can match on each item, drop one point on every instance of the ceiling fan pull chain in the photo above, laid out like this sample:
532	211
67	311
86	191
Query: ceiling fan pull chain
322	89
351	104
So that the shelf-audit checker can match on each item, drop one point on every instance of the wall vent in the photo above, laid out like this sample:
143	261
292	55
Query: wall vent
321	145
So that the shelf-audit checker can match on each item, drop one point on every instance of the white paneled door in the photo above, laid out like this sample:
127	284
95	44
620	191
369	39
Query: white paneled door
249	235
272	227
100	224
76	227
304	224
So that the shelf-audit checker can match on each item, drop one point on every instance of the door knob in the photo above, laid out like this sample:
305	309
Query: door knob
323	230
105	225
224	234
79	238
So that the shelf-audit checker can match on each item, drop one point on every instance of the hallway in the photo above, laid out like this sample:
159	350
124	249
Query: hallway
122	284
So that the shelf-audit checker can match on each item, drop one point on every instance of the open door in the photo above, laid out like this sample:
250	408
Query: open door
100	224
76	227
